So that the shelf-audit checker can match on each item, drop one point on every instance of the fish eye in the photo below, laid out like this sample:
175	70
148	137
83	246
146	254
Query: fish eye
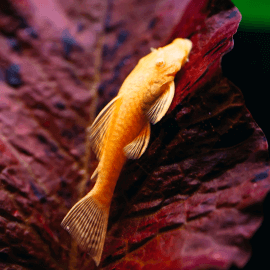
160	62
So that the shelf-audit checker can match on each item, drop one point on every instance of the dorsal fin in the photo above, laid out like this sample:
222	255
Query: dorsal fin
162	104
99	127
138	146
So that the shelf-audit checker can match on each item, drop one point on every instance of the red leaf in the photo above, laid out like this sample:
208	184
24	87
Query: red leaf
192	201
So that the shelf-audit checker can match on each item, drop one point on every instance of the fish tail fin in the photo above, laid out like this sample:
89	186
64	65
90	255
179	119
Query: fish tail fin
87	223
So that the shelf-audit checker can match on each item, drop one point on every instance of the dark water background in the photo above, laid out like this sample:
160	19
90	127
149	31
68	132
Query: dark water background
248	67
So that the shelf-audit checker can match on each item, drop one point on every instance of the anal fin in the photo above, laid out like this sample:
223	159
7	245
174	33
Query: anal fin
137	147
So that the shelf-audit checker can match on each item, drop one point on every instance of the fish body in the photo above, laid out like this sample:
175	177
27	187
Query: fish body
121	131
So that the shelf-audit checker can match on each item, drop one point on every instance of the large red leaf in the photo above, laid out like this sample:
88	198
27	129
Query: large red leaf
191	202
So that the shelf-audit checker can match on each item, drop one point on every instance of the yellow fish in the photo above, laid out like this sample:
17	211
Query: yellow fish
121	131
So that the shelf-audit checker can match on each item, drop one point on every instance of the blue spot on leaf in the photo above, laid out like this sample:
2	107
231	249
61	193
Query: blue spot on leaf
233	14
106	51
53	147
80	27
13	77
39	194
260	176
122	37
59	105
122	62
23	22
116	73
67	134
14	44
153	23
68	42
110	52
31	32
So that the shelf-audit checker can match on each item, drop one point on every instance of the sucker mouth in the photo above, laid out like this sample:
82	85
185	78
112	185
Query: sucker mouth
171	74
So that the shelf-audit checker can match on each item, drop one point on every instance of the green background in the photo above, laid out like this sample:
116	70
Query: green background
255	15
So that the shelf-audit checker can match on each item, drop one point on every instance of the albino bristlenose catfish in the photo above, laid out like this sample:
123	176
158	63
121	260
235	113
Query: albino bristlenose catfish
121	131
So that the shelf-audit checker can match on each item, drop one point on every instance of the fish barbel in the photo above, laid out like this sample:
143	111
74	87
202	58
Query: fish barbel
121	131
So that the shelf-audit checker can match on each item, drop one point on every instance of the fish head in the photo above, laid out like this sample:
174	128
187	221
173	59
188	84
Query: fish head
165	61
158	69
162	65
170	59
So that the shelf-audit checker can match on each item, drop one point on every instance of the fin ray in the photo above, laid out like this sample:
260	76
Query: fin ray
95	214
137	147
95	173
98	129
162	104
87	223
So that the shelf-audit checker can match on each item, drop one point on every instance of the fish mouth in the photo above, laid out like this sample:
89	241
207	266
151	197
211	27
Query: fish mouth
171	75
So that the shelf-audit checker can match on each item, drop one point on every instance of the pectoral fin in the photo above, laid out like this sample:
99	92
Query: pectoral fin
162	104
99	127
138	146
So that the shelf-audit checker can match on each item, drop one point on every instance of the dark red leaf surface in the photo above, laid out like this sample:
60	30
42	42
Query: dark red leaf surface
194	198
